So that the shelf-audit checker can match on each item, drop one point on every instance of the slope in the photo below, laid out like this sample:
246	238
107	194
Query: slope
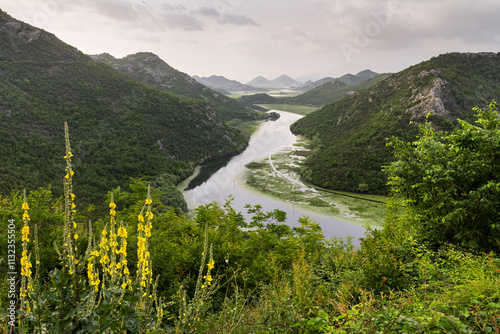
120	128
149	68
331	91
350	134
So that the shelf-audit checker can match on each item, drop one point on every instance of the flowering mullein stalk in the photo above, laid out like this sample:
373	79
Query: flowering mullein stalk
144	273
26	283
122	265
113	243
70	235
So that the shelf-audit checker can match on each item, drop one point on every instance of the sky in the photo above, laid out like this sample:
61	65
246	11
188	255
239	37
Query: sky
241	39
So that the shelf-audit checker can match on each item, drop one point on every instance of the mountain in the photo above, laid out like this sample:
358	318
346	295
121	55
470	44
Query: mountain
149	68
348	79
259	82
366	74
119	127
350	134
218	82
331	91
284	81
314	84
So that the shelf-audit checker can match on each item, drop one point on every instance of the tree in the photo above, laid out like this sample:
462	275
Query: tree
451	182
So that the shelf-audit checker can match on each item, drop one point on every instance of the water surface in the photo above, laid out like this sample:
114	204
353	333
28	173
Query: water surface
225	178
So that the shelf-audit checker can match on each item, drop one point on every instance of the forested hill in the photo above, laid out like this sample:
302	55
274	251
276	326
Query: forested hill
350	134
119	127
151	69
331	91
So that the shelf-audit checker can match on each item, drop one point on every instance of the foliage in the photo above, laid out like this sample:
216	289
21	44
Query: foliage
354	129
149	68
123	128
451	182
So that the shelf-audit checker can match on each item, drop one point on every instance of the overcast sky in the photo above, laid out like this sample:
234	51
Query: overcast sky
240	39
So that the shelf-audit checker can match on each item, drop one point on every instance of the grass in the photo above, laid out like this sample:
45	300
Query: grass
283	182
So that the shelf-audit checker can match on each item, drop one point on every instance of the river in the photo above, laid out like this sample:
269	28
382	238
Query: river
229	180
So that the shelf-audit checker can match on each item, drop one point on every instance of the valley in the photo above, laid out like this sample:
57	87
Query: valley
137	198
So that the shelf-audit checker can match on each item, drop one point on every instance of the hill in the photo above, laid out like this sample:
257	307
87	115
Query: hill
350	134
284	81
261	98
120	127
280	82
222	84
149	68
331	91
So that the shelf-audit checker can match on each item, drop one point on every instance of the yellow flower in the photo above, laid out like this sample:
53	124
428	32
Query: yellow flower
75	236
122	232
73	197
210	264
148	201
25	206
124	285
112	205
67	176
140	218
26	216
25	233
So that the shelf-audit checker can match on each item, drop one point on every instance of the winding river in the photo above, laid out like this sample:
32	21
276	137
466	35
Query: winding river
229	180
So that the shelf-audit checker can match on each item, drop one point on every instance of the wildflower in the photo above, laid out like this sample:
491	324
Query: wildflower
210	264
140	218
25	233
148	201
75	236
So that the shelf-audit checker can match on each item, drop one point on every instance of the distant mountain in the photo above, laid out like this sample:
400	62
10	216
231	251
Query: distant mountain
119	127
149	68
350	134
260	82
218	82
314	84
348	79
331	91
283	81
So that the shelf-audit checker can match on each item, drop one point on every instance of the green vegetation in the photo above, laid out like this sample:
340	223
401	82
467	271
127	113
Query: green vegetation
149	68
281	180
219	273
451	183
124	128
332	91
350	134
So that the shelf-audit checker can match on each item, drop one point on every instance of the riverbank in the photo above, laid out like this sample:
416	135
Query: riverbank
278	176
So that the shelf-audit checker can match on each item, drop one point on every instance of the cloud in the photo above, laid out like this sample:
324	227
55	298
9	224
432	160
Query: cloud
239	20
204	11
